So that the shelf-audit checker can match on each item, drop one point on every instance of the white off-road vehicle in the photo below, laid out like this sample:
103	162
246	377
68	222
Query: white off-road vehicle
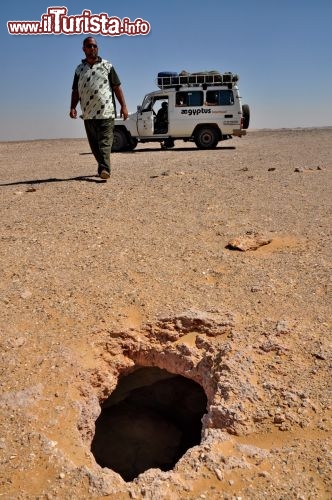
203	108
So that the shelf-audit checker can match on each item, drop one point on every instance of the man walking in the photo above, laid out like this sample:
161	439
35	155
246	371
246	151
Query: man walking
95	81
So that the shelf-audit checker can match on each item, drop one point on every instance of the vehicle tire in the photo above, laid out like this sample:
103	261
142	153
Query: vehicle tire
132	143
246	115
168	143
120	141
206	138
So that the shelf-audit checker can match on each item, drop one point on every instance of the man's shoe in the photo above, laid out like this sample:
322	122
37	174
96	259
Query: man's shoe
104	175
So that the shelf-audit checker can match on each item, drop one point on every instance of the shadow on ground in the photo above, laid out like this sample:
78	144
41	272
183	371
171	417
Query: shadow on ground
85	178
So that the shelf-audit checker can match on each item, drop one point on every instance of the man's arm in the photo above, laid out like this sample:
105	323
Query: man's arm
120	97
74	98
74	101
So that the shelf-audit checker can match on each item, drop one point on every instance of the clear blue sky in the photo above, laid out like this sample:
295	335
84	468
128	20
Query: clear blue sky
280	48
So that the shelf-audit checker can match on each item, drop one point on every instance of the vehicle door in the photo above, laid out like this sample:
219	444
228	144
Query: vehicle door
145	118
153	117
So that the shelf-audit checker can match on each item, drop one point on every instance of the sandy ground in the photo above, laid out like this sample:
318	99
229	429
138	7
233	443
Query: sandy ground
86	265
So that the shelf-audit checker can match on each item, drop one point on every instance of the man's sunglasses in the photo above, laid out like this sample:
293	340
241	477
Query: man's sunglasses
91	46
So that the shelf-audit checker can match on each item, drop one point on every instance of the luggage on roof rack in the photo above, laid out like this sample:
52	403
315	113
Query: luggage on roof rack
168	79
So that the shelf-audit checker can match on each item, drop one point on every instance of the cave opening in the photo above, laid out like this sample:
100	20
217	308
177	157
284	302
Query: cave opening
149	421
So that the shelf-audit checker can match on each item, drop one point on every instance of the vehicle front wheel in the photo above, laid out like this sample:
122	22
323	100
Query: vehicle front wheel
119	140
206	138
132	143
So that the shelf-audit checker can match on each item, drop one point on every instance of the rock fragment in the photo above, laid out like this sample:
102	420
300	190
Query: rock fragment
248	242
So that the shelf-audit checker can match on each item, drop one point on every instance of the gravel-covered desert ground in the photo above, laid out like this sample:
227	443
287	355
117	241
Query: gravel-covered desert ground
207	269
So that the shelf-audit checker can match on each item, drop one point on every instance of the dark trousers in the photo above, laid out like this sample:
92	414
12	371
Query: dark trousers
100	137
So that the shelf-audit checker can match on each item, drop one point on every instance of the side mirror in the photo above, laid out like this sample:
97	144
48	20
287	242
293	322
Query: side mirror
139	109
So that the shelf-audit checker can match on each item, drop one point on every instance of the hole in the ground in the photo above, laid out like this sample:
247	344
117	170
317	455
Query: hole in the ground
150	420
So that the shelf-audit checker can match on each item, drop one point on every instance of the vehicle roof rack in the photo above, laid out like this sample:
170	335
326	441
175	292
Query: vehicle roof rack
166	80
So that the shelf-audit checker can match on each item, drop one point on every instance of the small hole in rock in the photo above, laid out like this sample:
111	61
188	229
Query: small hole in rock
150	420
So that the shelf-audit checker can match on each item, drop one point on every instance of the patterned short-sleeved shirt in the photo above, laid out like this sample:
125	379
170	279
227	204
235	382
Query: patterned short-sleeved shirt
94	84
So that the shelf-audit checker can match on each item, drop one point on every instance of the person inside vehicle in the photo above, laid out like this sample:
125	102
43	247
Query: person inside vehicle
180	99
212	98
161	122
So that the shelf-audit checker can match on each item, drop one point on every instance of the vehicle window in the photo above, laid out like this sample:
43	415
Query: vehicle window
190	98
195	98
147	104
181	99
158	104
219	97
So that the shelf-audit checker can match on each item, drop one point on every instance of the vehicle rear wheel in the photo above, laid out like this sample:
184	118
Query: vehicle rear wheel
246	115
206	138
119	140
